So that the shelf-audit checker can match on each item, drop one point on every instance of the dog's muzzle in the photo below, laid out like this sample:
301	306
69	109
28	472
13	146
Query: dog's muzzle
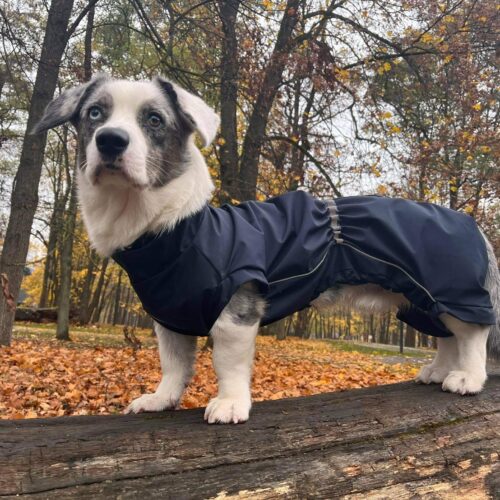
111	142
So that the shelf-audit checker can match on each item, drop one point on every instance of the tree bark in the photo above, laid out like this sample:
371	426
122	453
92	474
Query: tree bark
118	294
64	302
99	288
87	60
228	11
396	441
50	267
255	135
62	330
84	302
24	199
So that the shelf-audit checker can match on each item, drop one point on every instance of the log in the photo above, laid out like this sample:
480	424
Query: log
40	314
398	441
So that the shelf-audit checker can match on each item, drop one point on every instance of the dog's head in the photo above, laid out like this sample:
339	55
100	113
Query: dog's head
131	133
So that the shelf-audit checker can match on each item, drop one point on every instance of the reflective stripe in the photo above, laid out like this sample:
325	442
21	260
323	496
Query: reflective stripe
393	265
305	274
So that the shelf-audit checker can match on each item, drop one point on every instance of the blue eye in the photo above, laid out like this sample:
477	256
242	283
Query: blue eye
95	113
154	120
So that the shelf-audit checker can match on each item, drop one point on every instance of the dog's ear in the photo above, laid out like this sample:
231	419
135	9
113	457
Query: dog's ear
194	111
67	105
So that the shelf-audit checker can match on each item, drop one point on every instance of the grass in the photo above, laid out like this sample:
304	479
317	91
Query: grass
112	336
81	336
346	346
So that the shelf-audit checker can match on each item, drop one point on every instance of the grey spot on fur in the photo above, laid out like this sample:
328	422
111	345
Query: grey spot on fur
167	156
66	106
246	306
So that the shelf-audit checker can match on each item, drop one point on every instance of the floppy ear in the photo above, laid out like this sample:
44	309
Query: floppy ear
67	105
199	115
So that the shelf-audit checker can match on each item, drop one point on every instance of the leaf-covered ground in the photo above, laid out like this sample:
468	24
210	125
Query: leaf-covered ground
40	377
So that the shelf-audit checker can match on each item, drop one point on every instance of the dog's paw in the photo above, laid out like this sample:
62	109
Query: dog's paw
150	403
431	374
227	411
462	382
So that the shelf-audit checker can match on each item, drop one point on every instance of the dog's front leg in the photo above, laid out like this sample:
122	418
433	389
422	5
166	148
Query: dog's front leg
233	352
177	355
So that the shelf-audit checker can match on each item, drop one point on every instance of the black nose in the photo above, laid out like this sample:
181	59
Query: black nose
111	141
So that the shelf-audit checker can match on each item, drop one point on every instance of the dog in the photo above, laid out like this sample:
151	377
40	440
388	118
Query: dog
144	192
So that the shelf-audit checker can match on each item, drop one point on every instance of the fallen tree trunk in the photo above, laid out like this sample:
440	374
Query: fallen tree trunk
39	315
397	441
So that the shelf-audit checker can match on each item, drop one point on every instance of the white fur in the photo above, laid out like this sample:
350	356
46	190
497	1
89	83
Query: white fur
234	348
469	371
369	297
460	363
177	355
115	216
445	361
205	119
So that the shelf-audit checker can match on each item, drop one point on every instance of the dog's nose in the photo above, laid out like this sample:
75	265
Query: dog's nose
112	141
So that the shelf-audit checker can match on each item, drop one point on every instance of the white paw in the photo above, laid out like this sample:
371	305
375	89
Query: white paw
150	402
430	374
462	382
227	410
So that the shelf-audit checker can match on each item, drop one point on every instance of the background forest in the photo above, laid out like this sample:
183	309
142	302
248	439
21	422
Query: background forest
393	97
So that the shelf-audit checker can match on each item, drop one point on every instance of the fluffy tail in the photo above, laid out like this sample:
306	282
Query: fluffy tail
492	284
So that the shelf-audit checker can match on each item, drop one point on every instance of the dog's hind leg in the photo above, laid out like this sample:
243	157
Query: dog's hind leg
469	372
177	354
444	362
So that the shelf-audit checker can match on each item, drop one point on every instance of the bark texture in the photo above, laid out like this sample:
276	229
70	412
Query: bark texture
228	12
25	191
398	441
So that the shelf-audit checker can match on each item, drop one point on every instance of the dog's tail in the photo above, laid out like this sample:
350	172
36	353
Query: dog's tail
492	284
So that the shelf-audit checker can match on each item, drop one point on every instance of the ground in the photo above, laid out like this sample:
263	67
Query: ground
96	373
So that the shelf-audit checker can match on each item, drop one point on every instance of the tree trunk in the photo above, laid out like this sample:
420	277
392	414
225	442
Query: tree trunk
399	441
118	293
84	302
99	288
64	302
228	11
50	268
410	336
87	60
62	331
24	199
255	135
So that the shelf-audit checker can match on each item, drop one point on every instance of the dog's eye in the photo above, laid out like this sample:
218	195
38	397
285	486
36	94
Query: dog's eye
154	120
95	113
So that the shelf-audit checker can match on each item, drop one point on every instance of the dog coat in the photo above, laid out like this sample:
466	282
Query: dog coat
295	246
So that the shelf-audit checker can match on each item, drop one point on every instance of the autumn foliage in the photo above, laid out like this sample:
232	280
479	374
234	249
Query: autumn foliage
41	378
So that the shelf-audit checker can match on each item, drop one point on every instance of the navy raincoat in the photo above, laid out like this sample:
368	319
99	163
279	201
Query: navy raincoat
296	246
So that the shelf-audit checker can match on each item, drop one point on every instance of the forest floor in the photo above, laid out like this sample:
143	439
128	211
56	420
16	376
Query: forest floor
98	373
